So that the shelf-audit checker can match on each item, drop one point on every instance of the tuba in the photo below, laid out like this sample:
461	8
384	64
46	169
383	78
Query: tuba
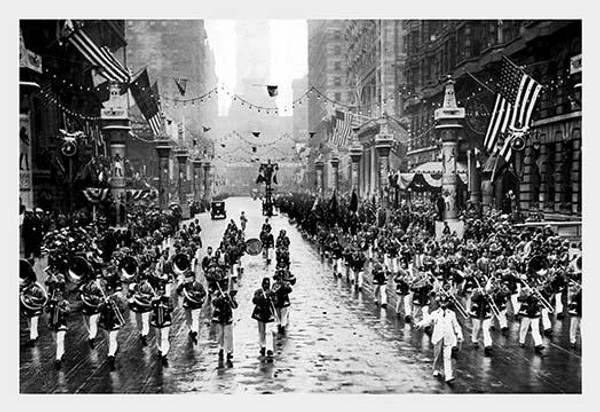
129	267
79	268
30	302
537	263
181	264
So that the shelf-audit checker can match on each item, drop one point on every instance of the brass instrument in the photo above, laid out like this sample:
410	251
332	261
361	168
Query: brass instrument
112	304
78	268
537	264
33	305
539	296
490	300
181	264
129	267
459	307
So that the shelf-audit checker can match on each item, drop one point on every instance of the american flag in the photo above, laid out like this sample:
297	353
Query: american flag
100	57
146	98
512	109
343	127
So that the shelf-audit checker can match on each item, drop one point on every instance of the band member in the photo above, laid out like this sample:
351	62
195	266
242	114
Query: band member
500	294
160	317
193	299
421	295
547	292
336	255
266	237
380	281
530	318
206	260
91	298
59	309
481	318
264	314
281	298
243	221
283	241
141	294
223	305
575	312
33	298
358	263
266	227
403	291
446	334
111	316
512	282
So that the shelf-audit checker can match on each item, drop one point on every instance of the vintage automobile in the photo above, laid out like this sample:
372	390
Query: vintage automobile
217	210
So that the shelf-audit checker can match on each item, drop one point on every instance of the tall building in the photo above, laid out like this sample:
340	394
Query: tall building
300	112
546	175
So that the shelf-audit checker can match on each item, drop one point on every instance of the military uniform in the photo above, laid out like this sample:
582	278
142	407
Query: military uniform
264	314
193	299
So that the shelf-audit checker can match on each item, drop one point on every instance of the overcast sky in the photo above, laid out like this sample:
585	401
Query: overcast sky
288	47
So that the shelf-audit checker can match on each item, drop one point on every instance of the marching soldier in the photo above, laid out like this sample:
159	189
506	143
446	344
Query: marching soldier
447	333
266	237
243	221
59	309
358	263
403	291
223	305
264	314
193	299
575	314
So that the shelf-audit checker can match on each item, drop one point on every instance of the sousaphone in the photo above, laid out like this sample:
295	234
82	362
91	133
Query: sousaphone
30	303
129	267
538	264
79	268
254	246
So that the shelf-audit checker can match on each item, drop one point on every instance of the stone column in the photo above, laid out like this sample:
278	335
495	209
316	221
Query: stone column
319	166
576	173
181	183
207	181
116	128
164	184
474	181
335	164
543	176
558	176
197	179
356	151
526	200
383	145
449	117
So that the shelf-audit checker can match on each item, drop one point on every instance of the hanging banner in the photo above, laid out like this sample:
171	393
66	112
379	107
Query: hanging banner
25	176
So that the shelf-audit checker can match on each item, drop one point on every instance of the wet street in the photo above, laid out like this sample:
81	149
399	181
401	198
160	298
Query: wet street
338	341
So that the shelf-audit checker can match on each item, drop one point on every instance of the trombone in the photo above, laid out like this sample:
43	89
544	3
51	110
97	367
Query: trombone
459	307
539	296
493	305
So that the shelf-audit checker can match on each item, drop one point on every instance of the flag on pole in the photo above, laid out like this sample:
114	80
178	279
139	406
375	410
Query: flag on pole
143	95
311	134
101	57
273	91
354	202
256	134
513	107
343	127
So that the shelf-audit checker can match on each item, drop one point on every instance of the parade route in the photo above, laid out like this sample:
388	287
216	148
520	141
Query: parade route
338	341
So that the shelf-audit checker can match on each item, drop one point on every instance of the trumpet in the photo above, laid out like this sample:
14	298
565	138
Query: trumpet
459	307
539	296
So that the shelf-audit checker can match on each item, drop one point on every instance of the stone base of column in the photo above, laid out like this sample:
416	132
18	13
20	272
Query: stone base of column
455	225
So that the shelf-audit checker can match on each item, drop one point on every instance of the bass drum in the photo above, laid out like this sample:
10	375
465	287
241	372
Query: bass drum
254	247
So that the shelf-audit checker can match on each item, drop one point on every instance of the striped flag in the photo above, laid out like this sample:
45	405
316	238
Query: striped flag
146	98
512	109
95	194
101	57
343	127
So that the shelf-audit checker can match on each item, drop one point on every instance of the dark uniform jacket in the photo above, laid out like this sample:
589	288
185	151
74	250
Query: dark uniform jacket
193	294
223	309
263	309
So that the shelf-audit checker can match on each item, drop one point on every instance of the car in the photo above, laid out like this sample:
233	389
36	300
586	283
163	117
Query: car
217	209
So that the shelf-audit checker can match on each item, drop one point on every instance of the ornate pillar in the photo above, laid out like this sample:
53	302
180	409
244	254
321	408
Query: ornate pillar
207	181
164	186
543	176
335	164
319	166
197	178
116	127
182	182
383	145
356	151
576	173
558	176
448	118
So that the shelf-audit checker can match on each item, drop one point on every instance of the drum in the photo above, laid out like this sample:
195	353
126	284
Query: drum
253	247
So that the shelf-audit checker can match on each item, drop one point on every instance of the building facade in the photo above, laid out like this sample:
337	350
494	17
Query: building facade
546	175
